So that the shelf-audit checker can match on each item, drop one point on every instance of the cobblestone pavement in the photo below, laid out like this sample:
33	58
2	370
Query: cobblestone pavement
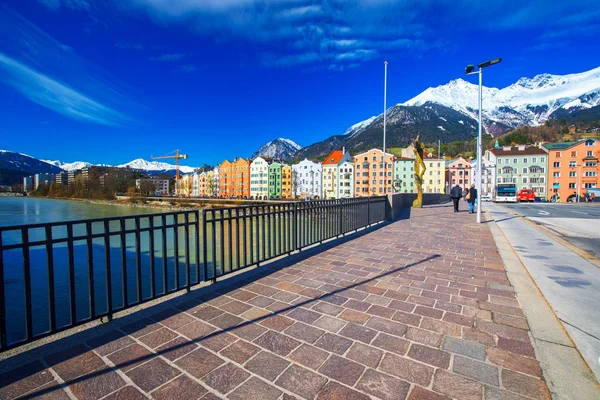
418	309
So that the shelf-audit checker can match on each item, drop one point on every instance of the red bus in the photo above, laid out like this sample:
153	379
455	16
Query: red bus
526	195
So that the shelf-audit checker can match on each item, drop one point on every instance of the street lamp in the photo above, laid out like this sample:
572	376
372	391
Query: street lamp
469	71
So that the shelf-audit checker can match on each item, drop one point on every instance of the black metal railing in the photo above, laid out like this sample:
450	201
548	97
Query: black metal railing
56	276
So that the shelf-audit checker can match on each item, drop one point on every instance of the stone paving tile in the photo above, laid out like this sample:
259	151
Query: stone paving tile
398	312
127	393
180	388
267	365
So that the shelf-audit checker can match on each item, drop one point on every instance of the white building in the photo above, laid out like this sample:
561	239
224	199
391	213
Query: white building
330	173
215	186
259	178
196	184
43	179
346	180
306	179
488	176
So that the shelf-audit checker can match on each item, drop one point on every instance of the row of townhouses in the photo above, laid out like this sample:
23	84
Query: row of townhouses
551	170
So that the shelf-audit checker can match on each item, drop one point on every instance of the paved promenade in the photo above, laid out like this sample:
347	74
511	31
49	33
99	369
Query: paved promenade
420	309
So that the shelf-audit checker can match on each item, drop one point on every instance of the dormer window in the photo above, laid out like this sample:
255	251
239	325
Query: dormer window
589	142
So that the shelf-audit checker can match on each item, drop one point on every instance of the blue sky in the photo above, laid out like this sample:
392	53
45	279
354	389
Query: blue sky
113	80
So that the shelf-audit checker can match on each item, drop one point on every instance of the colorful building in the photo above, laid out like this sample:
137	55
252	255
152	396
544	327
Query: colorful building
286	182
214	189
226	180
371	176
488	176
306	179
330	173
404	175
259	178
434	180
459	173
241	178
346	180
275	180
573	168
525	166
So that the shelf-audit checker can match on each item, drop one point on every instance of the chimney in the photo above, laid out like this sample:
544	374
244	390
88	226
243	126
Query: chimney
344	150
234	158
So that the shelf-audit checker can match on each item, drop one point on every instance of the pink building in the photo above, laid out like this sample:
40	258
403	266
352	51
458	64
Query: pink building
459	173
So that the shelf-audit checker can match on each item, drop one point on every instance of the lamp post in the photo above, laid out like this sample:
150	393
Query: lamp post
384	122
578	181
469	71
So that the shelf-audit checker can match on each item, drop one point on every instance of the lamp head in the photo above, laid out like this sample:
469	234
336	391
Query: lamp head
491	62
469	69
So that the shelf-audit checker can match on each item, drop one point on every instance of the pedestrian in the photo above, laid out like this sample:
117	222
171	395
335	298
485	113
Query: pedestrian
455	195
471	197
593	197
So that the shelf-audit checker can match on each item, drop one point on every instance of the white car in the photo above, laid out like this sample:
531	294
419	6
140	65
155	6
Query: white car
486	197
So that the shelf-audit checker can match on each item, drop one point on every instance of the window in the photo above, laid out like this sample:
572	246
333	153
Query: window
556	164
534	159
542	159
525	160
572	164
374	182
589	142
557	155
573	154
524	170
571	185
573	174
590	173
590	185
374	166
499	161
589	154
515	160
556	174
524	179
357	166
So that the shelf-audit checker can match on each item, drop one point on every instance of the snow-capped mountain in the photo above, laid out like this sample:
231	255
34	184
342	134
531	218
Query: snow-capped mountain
360	126
529	101
280	149
68	166
14	166
140	163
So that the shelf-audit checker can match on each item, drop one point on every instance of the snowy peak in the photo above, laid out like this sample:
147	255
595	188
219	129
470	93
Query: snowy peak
529	101
280	149
68	166
359	126
140	163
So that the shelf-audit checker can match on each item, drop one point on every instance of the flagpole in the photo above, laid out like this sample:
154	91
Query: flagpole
384	123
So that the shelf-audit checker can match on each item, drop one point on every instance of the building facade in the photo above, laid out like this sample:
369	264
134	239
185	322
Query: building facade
346	180
404	175
275	180
241	178
434	180
286	182
161	185
573	168
372	177
525	166
214	189
488	176
306	179
460	173
226	180
330	173
259	178
43	179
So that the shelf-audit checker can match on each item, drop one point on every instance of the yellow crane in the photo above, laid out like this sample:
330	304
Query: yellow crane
177	157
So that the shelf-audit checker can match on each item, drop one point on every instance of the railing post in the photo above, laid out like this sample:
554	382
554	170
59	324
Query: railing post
340	210
2	299
368	210
295	226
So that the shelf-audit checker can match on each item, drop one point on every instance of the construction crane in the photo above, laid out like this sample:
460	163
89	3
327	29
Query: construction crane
177	157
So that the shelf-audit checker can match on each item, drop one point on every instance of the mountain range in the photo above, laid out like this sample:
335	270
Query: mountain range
449	112
446	113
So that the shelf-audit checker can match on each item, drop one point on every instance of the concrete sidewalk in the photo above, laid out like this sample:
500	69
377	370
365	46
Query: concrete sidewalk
569	283
421	308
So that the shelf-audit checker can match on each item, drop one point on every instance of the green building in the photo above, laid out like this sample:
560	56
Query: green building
275	180
404	171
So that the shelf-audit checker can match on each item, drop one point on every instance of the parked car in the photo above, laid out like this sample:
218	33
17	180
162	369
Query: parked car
487	197
525	195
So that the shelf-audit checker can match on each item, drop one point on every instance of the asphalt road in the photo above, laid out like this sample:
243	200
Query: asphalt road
577	223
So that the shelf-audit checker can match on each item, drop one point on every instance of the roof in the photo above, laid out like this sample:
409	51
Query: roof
558	146
514	151
404	159
334	158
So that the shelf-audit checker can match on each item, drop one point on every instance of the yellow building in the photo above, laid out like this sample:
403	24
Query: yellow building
434	180
286	182
185	185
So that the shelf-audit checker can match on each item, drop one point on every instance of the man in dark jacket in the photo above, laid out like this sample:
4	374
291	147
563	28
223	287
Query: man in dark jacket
472	198
455	195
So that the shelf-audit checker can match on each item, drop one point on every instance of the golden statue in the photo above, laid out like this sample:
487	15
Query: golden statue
419	172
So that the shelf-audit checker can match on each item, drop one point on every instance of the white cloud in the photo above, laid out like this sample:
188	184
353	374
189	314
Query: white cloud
51	74
187	68
56	95
72	4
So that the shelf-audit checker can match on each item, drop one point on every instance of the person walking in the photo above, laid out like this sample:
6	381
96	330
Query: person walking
455	195
471	197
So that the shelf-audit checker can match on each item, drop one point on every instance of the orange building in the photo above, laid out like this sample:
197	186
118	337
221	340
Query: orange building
241	178
225	179
369	176
573	168
234	179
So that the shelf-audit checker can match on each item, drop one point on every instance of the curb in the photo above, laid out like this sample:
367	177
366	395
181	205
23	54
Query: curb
566	373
